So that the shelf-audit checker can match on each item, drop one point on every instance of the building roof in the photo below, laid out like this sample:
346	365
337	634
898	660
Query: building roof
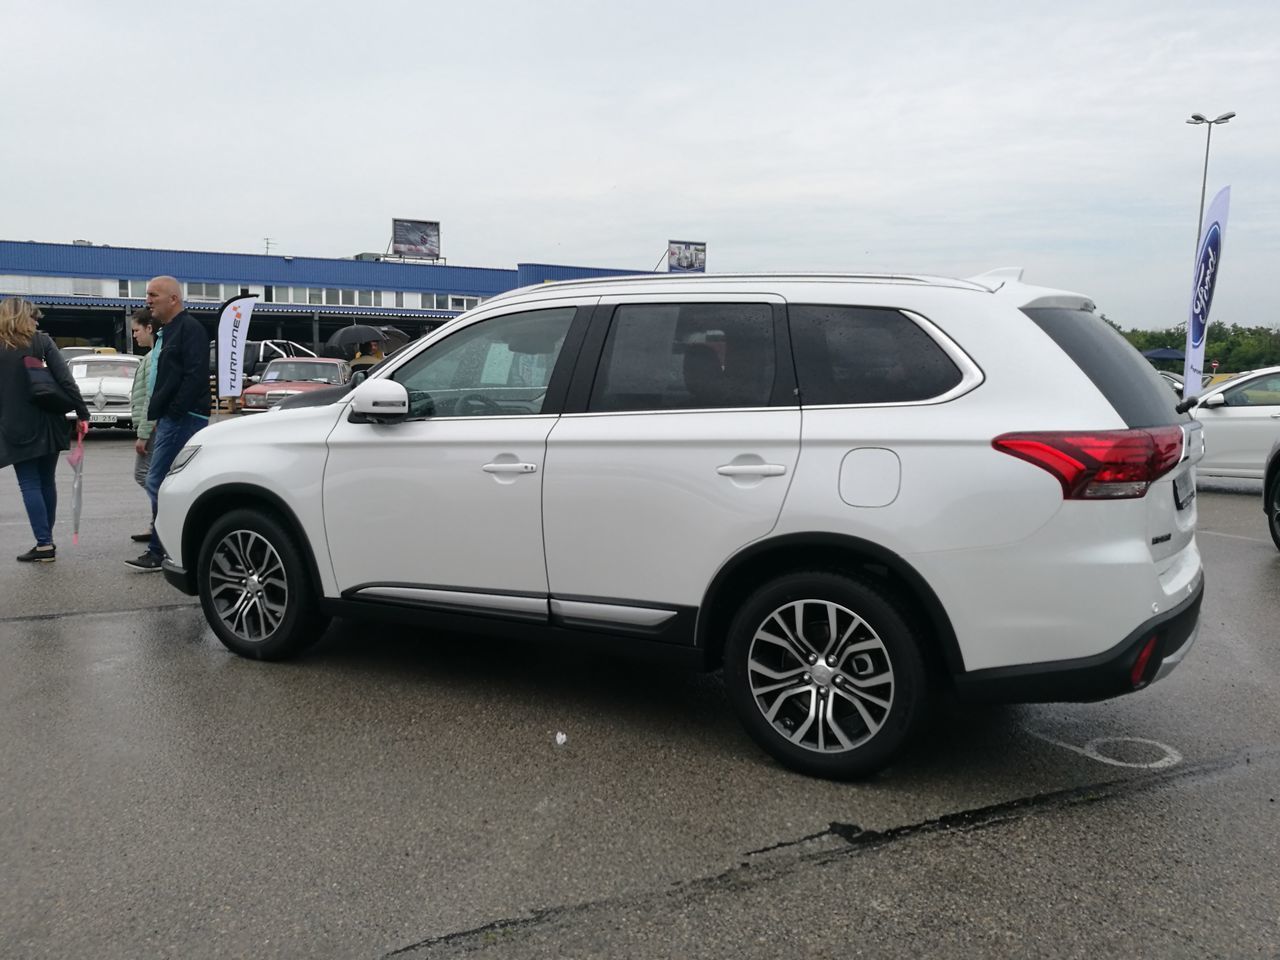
259	309
33	258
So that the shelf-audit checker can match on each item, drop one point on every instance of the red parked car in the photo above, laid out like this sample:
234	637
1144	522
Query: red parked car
290	376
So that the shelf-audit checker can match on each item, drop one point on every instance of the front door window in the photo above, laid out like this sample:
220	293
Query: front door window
494	368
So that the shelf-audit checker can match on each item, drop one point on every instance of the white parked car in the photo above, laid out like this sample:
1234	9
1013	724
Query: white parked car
105	381
851	491
1241	419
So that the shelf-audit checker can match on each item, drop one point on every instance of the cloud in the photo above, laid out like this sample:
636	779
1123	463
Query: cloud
816	135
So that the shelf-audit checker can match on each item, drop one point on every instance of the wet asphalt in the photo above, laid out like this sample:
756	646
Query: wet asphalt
396	794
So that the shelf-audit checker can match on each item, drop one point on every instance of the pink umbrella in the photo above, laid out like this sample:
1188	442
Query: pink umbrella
76	459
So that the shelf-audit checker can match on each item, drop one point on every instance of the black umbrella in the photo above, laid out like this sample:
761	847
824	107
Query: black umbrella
355	334
394	337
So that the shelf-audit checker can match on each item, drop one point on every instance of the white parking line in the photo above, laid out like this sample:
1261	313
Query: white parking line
1233	536
1093	750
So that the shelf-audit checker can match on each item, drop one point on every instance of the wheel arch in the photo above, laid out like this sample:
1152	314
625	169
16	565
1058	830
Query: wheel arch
767	559
212	504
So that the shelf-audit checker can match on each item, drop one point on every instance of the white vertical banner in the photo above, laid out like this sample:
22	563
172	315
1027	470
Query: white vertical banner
233	333
1208	263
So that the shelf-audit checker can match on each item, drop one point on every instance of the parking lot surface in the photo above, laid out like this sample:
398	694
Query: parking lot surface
396	794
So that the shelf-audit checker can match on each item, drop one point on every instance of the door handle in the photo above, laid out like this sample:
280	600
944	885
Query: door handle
510	468
751	470
1275	416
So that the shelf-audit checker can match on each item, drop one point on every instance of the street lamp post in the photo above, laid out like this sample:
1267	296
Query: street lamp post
1198	118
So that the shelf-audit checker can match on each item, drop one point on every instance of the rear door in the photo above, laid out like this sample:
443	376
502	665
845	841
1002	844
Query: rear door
676	449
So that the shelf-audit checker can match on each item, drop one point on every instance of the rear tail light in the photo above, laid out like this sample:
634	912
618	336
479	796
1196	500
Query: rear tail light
1099	465
1140	665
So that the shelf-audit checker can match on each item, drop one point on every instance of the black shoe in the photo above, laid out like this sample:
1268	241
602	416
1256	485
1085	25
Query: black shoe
39	554
148	562
140	537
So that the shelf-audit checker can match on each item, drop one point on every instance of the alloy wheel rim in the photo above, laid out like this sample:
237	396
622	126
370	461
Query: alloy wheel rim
821	676
248	585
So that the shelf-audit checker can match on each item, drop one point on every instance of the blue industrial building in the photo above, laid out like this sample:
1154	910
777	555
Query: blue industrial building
87	291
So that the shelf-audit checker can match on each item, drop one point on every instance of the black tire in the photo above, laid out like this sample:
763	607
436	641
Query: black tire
255	587
1273	509
827	716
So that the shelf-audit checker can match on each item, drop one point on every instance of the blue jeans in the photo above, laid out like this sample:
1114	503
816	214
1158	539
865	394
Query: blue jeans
170	436
39	495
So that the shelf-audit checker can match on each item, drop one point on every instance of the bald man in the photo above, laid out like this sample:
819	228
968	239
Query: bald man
179	376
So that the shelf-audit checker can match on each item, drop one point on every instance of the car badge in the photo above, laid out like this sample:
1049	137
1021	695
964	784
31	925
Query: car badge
100	401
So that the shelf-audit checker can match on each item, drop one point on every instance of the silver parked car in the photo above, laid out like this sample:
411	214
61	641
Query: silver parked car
1241	419
105	382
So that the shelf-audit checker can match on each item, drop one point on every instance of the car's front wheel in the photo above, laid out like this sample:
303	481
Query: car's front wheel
1273	509
255	587
825	672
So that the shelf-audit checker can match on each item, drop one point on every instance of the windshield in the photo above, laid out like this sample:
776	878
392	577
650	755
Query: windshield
104	368
302	370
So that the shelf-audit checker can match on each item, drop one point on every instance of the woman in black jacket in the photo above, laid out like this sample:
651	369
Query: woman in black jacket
31	438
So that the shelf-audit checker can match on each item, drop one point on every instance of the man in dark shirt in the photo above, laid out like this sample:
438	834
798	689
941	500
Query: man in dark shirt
179	393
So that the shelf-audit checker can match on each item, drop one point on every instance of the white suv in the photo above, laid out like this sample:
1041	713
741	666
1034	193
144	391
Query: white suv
850	491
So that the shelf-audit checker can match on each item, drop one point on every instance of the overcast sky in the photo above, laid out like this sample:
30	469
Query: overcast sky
929	137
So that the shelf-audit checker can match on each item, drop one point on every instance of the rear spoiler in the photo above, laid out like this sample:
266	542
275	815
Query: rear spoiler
1007	282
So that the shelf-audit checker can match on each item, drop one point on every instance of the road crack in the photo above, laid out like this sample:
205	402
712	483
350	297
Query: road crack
854	841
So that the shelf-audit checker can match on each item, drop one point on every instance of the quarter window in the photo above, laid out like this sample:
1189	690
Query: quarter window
496	368
670	356
866	355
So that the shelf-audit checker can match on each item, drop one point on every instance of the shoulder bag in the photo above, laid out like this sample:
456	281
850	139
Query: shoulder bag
44	390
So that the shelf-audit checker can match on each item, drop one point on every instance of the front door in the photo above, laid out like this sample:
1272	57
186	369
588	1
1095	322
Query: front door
1238	435
445	509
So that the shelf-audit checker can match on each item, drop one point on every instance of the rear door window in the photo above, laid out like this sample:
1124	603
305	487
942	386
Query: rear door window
849	355
686	356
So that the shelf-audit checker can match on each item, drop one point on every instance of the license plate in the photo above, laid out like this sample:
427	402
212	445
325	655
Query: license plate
103	418
1184	490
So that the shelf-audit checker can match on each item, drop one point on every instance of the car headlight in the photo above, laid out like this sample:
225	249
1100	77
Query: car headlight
255	400
185	456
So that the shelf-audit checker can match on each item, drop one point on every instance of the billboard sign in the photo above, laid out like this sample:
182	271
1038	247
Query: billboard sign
686	257
415	238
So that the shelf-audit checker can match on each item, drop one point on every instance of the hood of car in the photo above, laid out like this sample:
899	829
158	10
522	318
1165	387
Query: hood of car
297	386
108	386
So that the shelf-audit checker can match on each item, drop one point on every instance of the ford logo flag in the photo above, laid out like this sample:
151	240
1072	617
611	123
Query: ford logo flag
1204	283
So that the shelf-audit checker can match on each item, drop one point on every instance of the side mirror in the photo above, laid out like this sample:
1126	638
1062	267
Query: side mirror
358	378
1214	400
379	401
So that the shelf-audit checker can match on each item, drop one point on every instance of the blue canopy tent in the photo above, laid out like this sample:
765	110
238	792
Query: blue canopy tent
1164	353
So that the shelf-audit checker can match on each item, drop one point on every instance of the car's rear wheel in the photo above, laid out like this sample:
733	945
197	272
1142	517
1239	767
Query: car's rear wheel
1273	509
825	672
255	587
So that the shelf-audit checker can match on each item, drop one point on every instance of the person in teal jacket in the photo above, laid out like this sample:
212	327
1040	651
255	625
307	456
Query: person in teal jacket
140	396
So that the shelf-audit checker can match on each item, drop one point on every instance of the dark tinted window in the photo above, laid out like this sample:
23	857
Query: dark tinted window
671	356
866	355
1120	372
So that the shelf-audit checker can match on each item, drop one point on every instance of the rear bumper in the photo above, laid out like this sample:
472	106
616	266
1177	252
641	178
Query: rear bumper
1100	677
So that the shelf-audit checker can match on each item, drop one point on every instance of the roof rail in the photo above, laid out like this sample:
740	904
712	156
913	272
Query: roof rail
647	278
